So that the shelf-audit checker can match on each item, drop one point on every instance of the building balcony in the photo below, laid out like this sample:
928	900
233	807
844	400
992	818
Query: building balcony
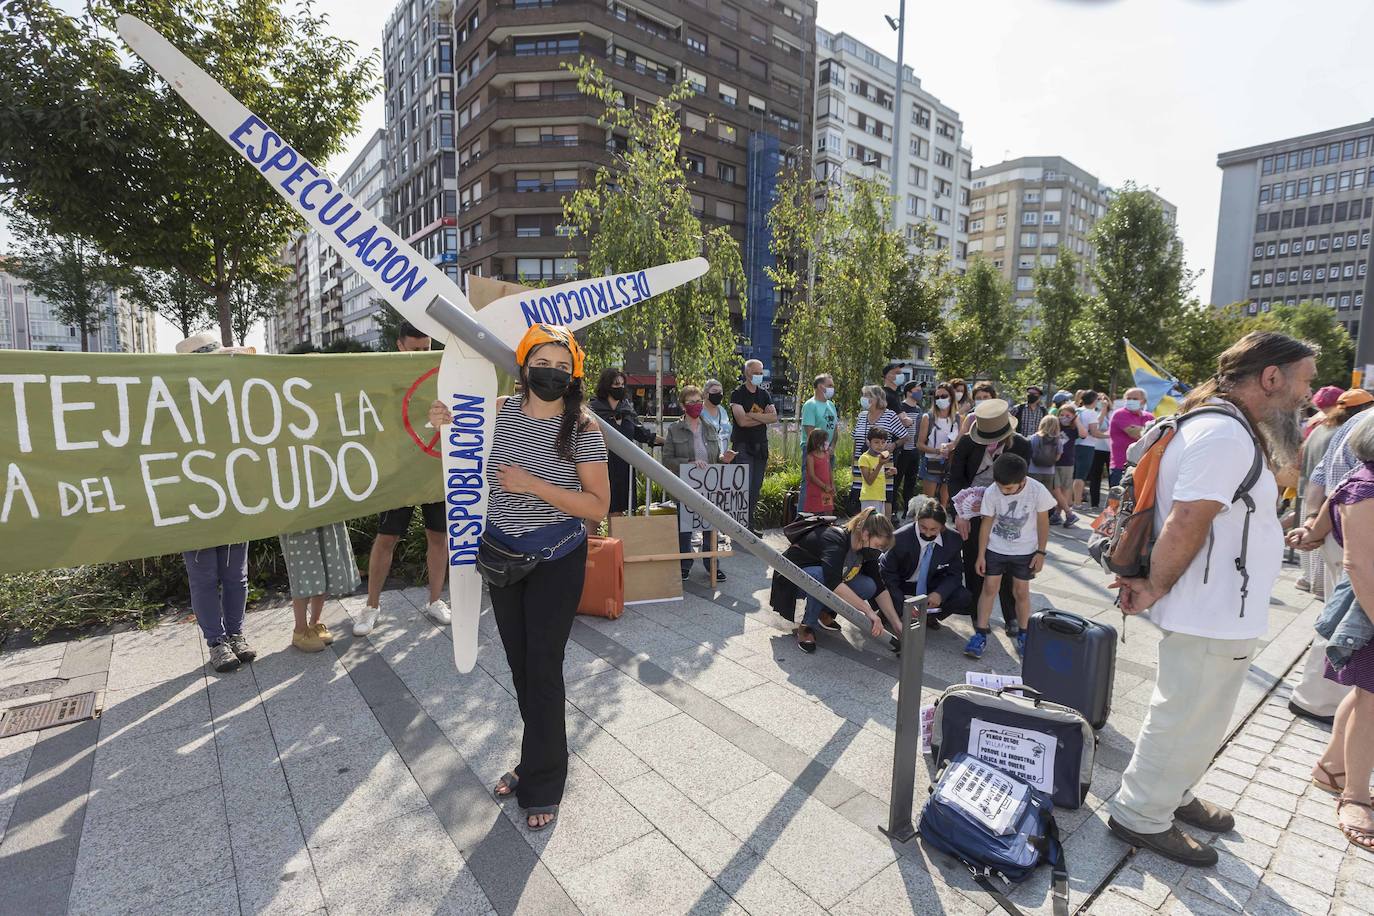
538	109
511	243
508	200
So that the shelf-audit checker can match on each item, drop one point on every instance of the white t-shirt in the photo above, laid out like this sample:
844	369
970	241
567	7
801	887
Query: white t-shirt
1015	532
1208	459
1089	417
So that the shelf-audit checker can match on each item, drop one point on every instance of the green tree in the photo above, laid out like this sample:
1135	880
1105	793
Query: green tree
923	283
1198	336
73	275
637	214
836	260
1141	283
1316	323
93	142
974	340
1059	300
252	300
176	297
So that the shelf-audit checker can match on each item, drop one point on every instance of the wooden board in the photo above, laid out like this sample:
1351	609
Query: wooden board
658	580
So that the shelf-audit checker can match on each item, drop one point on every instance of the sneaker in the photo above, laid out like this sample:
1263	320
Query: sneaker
685	574
222	658
933	623
365	624
1207	816
438	612
1021	645
323	633
1054	517
1302	713
307	640
1303	584
829	621
1071	520
1171	844
977	644
720	575
239	646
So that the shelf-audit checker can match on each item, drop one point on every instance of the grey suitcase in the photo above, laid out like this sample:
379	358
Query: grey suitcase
1071	661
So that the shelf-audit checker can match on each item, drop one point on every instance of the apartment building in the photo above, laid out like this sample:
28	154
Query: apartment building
1025	210
1294	223
478	175
855	87
30	322
365	180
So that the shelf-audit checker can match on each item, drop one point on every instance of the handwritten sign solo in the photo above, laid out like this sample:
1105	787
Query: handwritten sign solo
725	485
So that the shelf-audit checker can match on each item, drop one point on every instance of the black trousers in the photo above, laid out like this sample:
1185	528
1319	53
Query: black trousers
1099	468
904	484
758	469
974	581
534	617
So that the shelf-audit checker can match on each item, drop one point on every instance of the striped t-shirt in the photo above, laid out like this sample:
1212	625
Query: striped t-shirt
529	442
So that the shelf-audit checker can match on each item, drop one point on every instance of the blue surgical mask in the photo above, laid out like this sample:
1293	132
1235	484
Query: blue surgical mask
865	402
1133	404
901	377
756	379
829	393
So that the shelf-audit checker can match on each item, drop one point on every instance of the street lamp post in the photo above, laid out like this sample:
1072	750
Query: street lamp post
900	28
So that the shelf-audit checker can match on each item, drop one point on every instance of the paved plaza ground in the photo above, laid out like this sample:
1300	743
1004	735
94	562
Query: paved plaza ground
715	769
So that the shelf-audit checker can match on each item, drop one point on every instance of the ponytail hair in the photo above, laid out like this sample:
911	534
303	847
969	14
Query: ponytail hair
872	524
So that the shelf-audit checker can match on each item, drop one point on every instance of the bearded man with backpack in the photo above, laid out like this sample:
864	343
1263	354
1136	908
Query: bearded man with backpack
1214	552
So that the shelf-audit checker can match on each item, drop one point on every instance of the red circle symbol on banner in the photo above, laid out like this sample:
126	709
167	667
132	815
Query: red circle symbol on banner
431	448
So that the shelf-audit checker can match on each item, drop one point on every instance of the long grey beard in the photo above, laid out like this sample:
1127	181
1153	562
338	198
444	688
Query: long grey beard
1283	431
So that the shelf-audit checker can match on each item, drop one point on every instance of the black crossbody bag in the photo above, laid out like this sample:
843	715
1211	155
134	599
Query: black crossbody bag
501	566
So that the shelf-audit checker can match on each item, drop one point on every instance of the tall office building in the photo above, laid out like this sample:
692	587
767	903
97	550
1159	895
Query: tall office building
365	180
1024	210
487	125
1294	223
30	322
855	86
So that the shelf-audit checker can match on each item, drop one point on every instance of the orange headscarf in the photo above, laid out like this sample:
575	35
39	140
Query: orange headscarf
540	334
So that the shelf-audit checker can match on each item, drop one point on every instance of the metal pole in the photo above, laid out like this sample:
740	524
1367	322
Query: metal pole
468	330
898	123
908	744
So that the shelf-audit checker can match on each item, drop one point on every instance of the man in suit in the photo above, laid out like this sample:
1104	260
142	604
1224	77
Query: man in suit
926	558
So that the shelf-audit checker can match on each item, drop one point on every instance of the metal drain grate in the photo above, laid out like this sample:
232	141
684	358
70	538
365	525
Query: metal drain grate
46	714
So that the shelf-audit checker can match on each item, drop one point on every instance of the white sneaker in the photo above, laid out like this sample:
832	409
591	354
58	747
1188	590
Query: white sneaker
437	611
364	624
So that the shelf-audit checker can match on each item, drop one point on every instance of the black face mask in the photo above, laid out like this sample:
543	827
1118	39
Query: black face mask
927	539
548	383
716	397
1032	398
869	554
617	393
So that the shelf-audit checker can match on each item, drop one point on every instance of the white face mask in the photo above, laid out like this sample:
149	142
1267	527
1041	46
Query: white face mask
1133	404
901	377
942	403
865	402
756	379
829	393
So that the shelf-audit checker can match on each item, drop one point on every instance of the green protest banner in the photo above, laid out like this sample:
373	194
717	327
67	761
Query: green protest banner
108	457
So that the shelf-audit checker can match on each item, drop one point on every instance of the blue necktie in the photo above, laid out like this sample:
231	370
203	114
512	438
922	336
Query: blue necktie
923	569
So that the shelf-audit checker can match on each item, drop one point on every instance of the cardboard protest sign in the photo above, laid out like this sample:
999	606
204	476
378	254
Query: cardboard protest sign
725	485
112	457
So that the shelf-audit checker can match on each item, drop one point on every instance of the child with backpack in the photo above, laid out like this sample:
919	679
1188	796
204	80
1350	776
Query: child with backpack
1011	542
1047	444
820	491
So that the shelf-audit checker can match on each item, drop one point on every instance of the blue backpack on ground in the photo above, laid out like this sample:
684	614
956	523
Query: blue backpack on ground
998	826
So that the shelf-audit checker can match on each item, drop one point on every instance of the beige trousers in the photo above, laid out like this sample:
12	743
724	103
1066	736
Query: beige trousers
1196	689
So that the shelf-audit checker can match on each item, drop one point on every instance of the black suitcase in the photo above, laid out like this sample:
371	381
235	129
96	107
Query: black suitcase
1071	660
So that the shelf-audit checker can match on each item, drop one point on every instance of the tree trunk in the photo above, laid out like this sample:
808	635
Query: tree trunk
85	339
224	315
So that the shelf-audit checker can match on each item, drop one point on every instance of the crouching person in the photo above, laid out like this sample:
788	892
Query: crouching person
843	558
926	558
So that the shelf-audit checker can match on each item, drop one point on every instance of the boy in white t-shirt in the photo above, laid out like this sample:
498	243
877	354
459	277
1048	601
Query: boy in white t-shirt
1013	544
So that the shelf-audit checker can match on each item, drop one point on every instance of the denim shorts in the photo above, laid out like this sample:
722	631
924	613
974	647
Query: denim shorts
999	564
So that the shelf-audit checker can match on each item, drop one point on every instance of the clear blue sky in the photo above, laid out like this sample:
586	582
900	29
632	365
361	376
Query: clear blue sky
1149	90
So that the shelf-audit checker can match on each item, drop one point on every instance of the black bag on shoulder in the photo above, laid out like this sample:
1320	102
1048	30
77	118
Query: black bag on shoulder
804	524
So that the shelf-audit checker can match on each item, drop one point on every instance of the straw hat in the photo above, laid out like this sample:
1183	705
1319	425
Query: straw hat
992	422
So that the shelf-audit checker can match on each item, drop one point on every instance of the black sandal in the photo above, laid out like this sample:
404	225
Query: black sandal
535	812
509	782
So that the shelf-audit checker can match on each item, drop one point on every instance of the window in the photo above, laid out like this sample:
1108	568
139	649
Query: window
725	211
1049	239
1030	239
1050	218
941	214
727	132
1002	199
527	226
976	226
1000	242
943	188
1001	221
693	121
528	47
1030	197
1025	283
695	80
920	115
915	206
1054	195
725	172
1306	275
1283	248
726	94
691	162
979	204
694	40
920	148
1254	280
917	176
1025	262
1049	260
1030	218
1259	251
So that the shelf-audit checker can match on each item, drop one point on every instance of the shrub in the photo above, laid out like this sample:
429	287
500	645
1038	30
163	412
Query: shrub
771	495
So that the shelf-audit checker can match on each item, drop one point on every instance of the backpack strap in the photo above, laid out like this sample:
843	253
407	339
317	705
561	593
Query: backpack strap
1059	879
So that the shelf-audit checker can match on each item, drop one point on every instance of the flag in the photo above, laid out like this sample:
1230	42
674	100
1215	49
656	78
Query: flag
1163	392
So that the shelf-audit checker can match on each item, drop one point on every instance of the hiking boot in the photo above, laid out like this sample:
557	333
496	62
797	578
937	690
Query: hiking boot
438	612
239	646
223	659
1171	844
1207	816
977	644
307	640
